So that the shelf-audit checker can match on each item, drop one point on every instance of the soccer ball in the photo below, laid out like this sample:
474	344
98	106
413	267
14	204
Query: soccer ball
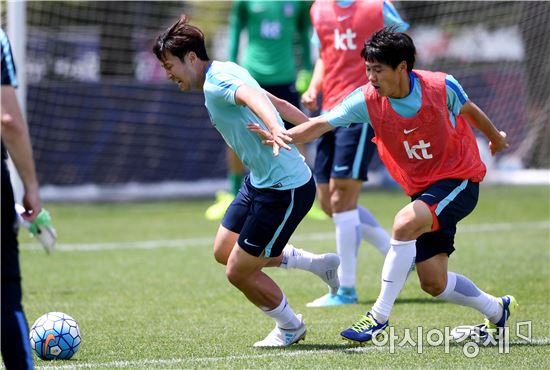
55	336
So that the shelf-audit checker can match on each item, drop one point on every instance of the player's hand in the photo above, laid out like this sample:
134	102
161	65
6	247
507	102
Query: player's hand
263	134
309	99
277	139
31	203
498	145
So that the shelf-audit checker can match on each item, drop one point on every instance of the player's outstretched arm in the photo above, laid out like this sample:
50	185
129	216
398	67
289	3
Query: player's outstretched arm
287	111
310	130
303	133
478	118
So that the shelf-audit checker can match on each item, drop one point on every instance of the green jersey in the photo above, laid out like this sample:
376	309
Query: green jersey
271	27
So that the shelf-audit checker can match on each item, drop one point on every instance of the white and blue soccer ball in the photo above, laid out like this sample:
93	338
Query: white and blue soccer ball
55	336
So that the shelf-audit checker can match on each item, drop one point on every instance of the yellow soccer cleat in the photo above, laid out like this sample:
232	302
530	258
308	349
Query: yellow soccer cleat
217	210
316	213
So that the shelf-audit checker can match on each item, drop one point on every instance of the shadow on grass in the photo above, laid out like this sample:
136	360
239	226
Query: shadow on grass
320	347
356	348
543	342
426	300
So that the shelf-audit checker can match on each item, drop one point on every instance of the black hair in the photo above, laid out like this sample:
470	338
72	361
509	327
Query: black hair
179	39
390	47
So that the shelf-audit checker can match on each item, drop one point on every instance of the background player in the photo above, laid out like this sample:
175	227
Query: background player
343	156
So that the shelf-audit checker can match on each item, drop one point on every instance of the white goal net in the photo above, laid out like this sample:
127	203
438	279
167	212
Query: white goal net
105	123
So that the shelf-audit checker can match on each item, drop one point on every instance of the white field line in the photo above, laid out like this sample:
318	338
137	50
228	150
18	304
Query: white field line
324	236
191	360
284	354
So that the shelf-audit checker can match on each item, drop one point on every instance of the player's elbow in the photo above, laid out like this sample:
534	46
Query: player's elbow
6	120
11	128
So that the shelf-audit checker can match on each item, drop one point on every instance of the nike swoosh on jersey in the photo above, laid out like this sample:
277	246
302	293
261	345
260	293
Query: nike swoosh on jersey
405	131
343	18
252	245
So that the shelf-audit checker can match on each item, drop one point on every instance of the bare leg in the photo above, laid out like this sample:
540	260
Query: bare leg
244	272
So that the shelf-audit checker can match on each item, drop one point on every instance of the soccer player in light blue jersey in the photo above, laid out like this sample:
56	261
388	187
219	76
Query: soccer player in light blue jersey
276	195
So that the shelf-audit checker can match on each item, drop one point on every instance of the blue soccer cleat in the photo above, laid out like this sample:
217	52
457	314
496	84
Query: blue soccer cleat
509	305
488	332
364	329
343	296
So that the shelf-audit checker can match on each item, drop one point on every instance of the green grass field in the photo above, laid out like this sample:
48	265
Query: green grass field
141	281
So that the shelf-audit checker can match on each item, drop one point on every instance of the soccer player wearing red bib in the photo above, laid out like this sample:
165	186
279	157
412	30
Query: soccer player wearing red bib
421	124
343	155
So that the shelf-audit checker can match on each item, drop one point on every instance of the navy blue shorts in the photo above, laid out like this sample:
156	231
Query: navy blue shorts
286	92
344	153
449	201
266	218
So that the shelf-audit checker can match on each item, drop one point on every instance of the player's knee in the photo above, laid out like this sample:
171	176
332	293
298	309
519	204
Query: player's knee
401	230
234	277
325	206
335	202
339	201
404	227
433	287
221	257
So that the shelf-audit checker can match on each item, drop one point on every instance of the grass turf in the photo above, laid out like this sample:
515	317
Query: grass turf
141	281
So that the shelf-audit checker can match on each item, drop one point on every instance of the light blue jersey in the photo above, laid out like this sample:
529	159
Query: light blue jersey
354	107
288	170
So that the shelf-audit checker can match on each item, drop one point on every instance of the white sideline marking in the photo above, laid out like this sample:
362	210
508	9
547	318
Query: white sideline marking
174	361
302	353
208	241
